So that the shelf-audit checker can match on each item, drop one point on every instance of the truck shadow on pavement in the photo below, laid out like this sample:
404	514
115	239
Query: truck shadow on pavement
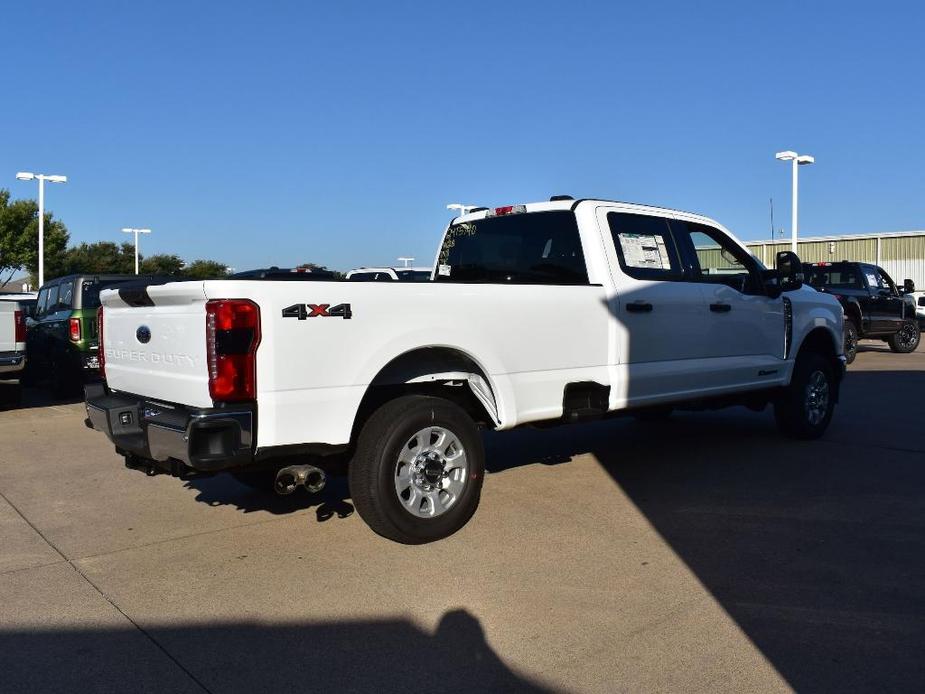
364	656
222	490
816	549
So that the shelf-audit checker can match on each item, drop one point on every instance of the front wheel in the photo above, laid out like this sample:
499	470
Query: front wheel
417	473
804	409
906	339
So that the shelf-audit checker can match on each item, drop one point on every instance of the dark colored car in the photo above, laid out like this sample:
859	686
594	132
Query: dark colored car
61	340
285	274
875	307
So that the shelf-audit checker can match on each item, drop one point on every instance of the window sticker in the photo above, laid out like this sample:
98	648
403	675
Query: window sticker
645	251
444	270
872	279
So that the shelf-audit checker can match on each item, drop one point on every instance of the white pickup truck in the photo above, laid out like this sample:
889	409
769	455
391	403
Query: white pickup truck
548	312
12	345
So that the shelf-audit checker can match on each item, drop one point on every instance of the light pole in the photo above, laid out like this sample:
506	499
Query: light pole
797	160
41	178
131	230
463	209
407	260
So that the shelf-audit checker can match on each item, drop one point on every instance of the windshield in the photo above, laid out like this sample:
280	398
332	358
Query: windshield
526	248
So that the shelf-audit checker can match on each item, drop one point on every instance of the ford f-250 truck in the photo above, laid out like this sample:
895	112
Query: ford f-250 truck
547	312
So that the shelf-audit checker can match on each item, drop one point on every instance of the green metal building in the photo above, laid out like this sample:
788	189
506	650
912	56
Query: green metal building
900	253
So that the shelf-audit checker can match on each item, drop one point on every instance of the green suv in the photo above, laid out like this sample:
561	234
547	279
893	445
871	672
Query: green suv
62	342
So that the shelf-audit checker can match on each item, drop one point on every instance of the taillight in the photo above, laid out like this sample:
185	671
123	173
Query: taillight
232	337
101	352
20	321
507	209
73	326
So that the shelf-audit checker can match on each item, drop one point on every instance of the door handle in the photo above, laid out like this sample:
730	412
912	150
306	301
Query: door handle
720	308
639	307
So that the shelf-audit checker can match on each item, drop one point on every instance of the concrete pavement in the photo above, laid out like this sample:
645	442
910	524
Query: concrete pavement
700	554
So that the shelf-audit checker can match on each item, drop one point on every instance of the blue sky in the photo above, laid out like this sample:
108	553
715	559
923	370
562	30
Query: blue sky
277	133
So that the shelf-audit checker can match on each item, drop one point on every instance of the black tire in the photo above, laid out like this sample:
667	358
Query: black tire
906	339
374	469
851	340
799	413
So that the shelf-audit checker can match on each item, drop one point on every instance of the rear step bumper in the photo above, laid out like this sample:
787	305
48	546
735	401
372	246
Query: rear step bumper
204	439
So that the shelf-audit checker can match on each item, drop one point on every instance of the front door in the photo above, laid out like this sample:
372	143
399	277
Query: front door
745	326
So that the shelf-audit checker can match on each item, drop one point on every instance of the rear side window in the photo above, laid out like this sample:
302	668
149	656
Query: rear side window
644	246
90	293
42	302
66	296
834	277
525	248
52	304
413	275
371	277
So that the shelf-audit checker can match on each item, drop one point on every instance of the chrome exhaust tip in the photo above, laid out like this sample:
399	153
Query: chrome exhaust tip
293	476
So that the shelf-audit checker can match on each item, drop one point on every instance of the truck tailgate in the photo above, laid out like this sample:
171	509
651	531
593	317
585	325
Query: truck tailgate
154	342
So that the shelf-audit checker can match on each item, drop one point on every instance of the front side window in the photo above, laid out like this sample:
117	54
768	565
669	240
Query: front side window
644	246
715	258
886	282
525	248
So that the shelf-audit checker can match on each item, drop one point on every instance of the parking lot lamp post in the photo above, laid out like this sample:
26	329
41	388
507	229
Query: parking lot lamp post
131	230
797	160
41	178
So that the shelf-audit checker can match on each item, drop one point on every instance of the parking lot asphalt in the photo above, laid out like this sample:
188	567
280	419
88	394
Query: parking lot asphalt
704	553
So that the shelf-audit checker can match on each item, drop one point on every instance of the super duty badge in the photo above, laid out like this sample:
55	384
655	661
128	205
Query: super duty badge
303	311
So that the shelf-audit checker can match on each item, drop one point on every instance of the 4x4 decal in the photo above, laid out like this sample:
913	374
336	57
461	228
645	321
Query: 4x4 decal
303	311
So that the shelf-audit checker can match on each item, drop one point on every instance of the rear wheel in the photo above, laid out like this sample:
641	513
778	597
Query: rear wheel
851	340
417	473
805	408
906	339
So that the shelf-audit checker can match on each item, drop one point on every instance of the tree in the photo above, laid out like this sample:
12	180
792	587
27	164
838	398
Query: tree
19	238
163	264
98	257
205	270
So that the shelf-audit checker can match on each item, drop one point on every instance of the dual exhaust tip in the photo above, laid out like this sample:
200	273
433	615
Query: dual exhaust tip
292	477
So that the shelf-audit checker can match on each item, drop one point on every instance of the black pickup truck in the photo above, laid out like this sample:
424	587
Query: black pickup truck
875	307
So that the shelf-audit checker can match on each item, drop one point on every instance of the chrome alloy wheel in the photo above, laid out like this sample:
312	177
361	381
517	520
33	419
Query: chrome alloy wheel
431	472
816	403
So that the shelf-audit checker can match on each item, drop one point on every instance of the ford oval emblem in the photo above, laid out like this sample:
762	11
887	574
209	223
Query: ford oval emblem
143	334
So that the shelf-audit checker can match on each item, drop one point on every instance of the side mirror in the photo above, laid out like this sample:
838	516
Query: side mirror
908	286
790	271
